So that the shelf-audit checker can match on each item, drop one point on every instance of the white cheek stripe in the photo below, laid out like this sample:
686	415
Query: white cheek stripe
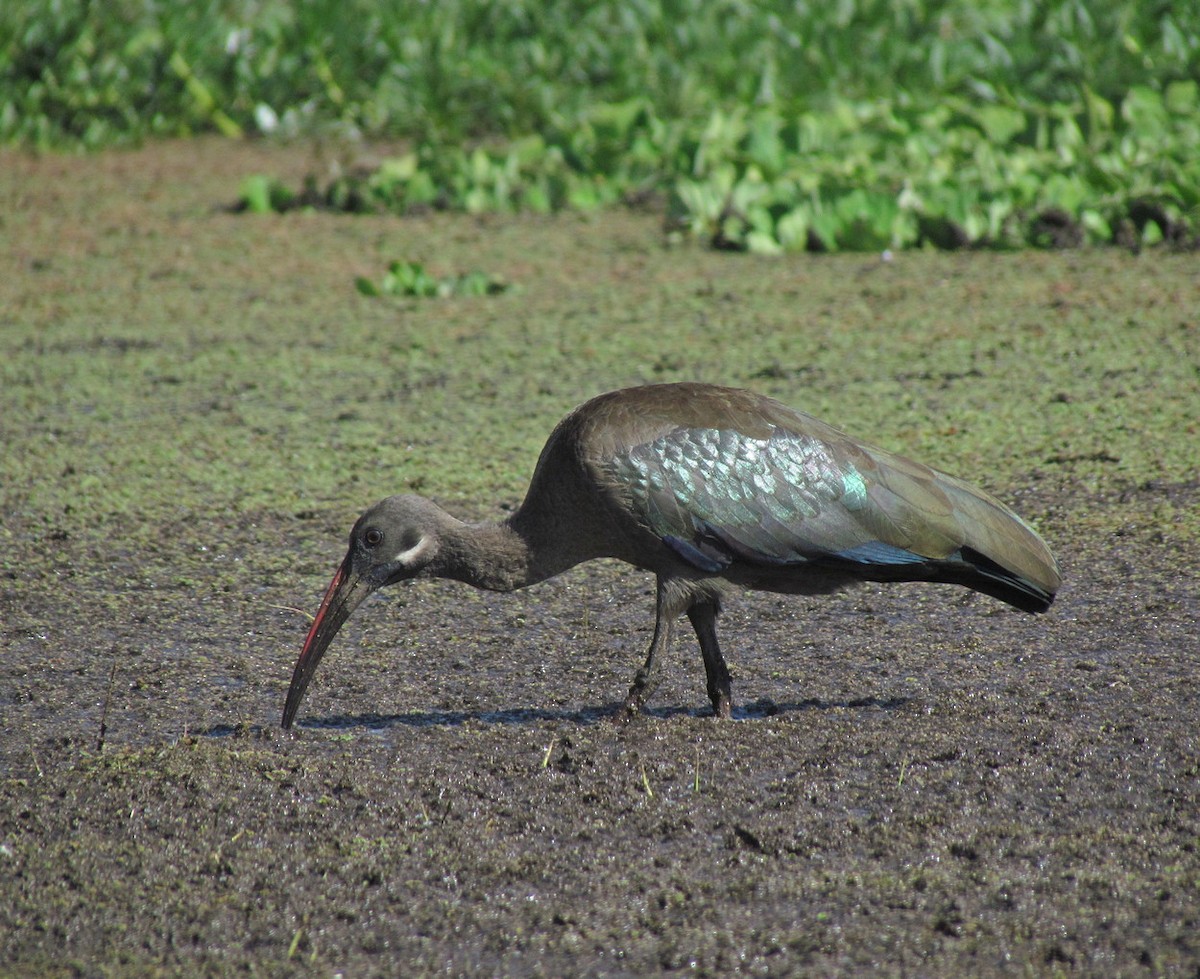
409	555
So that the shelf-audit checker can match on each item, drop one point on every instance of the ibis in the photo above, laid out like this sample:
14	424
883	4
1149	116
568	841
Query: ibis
705	487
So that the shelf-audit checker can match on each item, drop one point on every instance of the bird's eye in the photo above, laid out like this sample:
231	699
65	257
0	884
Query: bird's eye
373	537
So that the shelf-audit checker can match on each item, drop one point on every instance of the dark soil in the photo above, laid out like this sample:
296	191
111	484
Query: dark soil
916	781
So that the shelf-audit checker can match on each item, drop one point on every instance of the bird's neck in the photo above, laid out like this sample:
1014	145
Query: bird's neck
495	556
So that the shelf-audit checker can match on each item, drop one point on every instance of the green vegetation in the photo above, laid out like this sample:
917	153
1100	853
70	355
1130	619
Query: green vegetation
856	125
411	279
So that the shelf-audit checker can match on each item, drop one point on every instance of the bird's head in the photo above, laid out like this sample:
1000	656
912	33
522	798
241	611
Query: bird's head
394	540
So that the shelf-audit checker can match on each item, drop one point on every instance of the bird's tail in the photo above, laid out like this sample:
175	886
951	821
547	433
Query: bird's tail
934	527
983	574
1001	555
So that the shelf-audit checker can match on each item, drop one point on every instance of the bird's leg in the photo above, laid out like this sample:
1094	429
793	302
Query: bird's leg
646	679
704	620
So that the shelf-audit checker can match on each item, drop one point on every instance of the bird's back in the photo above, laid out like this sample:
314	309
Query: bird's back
721	481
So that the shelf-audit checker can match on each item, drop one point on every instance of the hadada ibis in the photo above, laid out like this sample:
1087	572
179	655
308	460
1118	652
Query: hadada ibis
704	486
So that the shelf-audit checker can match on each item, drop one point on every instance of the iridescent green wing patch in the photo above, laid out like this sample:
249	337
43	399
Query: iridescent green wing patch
716	496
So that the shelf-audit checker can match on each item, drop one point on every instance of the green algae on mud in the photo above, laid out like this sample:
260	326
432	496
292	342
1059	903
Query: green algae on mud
192	376
920	781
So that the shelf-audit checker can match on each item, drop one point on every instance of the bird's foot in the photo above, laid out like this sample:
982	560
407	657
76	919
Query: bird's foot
721	695
630	708
644	682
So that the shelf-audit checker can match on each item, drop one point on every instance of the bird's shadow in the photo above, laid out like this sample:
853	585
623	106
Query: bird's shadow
583	717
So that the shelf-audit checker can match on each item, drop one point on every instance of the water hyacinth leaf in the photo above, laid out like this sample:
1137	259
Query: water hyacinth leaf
537	198
764	146
1000	123
256	194
411	279
826	227
421	189
1145	112
1065	191
999	211
1095	224
763	243
261	194
697	205
1182	98
1100	113
792	229
398	169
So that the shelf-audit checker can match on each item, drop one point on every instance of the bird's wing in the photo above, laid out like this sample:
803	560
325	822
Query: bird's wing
716	496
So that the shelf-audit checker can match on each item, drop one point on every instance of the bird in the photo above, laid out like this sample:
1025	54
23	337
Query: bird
706	487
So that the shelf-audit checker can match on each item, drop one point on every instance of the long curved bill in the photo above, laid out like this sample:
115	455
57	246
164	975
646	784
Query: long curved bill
344	594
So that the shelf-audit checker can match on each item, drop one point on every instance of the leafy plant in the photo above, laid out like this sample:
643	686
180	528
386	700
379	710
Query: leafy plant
411	279
263	194
766	127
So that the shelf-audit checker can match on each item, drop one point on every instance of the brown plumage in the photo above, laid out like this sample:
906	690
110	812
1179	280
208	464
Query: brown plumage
703	486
